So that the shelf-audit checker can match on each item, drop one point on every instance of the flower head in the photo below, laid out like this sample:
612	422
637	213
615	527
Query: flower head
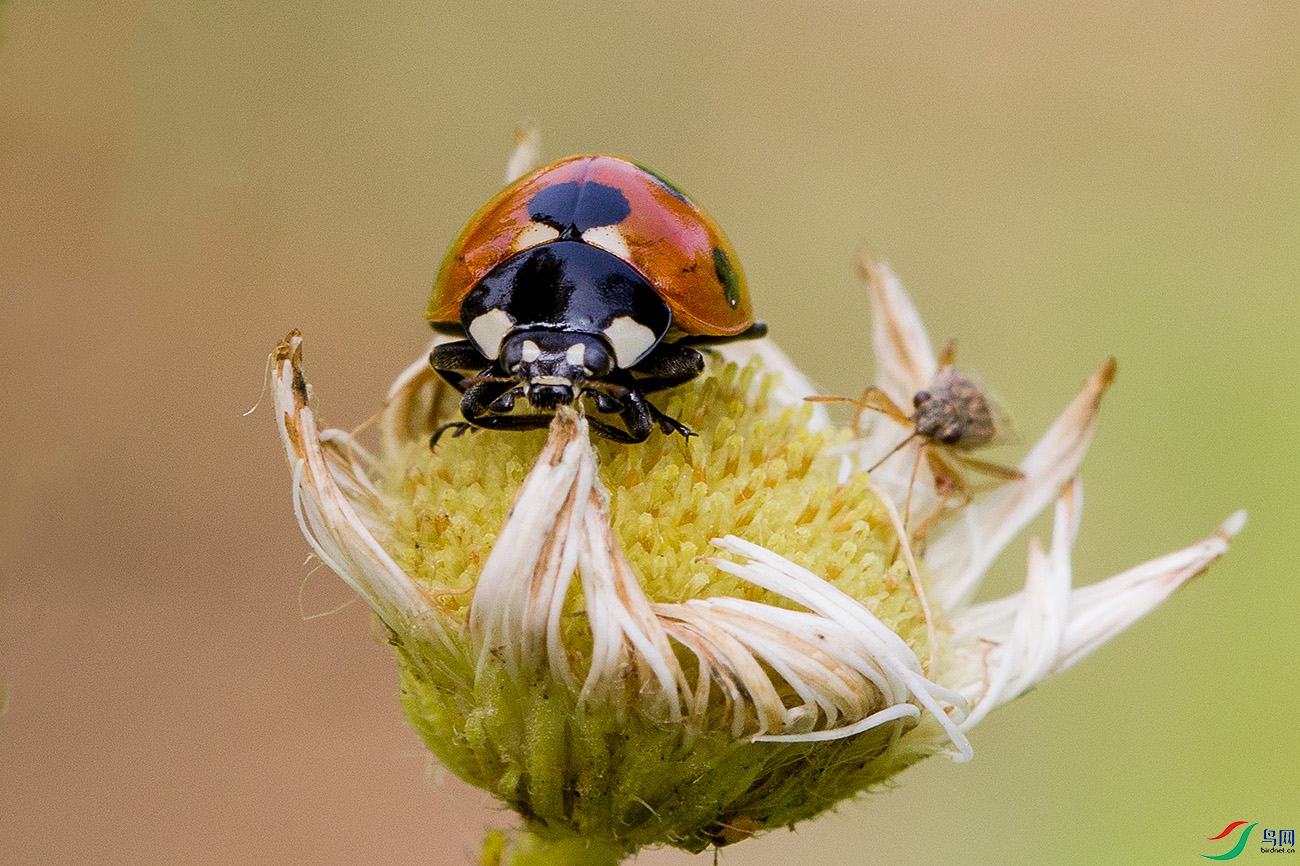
687	643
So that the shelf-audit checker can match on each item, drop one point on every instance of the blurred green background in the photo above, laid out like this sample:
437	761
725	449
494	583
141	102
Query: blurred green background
182	183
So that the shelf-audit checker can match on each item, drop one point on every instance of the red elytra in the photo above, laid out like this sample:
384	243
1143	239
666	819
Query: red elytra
665	236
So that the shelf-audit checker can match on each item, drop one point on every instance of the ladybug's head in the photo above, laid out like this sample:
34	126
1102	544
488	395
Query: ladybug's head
553	364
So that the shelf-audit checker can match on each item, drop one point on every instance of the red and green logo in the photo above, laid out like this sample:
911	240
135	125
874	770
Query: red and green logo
1236	849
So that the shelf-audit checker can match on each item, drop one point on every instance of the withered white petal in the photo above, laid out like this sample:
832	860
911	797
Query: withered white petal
330	502
527	154
897	661
622	620
520	594
1011	644
905	359
1103	610
1029	648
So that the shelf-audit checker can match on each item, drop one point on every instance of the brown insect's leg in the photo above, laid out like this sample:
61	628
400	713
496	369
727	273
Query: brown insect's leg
921	451
874	399
877	400
948	483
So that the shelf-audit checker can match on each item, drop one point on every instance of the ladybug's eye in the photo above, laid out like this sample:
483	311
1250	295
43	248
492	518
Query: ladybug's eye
950	436
920	398
597	359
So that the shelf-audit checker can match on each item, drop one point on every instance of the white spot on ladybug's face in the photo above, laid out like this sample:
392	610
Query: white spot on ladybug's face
488	330
576	355
630	340
530	351
535	234
609	239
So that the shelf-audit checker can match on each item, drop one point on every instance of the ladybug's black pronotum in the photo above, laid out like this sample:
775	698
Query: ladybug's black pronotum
591	277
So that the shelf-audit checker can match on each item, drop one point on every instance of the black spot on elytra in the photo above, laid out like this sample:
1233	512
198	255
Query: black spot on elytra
727	276
573	207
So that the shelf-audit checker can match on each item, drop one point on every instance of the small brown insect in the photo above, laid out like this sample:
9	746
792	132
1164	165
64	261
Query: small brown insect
953	417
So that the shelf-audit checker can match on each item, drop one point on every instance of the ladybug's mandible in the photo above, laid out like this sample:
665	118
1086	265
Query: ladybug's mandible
592	277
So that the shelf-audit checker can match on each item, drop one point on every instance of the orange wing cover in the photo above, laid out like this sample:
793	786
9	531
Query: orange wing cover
669	239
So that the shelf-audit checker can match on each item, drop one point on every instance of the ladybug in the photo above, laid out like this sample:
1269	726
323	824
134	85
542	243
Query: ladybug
592	277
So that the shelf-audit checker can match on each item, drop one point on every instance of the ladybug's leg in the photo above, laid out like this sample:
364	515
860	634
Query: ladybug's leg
627	396
511	422
669	424
479	395
537	422
612	433
450	360
667	366
457	428
636	414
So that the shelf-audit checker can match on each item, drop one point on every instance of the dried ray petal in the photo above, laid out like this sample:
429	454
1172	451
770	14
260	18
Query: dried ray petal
961	555
901	668
519	598
792	644
905	364
1045	629
408	414
725	660
890	714
1032	643
779	575
327	496
559	523
622	621
1102	610
1047	591
905	359
527	154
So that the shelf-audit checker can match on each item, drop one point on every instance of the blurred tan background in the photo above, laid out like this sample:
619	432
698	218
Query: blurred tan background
182	183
